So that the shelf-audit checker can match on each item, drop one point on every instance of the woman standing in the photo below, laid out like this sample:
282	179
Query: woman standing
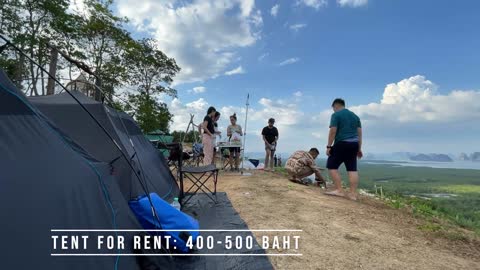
217	133
234	133
208	136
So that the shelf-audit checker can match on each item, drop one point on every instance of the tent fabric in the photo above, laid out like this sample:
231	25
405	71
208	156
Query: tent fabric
152	162
149	164
220	215
47	184
49	179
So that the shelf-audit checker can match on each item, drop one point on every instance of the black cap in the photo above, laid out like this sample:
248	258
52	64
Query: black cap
271	120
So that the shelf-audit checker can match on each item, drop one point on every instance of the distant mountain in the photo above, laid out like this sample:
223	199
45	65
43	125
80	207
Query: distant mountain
409	156
464	157
396	156
431	157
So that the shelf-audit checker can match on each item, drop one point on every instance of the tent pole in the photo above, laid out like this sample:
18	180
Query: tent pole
245	133
144	186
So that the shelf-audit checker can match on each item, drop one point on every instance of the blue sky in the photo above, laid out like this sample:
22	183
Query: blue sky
409	68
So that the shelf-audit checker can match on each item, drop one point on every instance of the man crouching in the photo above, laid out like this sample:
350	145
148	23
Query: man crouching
302	164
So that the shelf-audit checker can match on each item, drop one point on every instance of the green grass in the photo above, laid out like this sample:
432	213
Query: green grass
461	189
416	187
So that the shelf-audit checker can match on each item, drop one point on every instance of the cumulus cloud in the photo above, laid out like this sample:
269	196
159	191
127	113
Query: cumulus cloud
274	10
181	112
202	36
297	27
289	61
352	3
198	90
316	4
238	70
415	100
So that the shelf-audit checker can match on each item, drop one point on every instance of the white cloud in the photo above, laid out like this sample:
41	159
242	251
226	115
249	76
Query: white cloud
289	61
198	90
261	57
238	70
274	10
297	27
415	100
202	36
316	4
298	94
181	112
352	3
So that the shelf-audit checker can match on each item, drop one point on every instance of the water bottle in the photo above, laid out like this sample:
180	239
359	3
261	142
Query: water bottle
176	204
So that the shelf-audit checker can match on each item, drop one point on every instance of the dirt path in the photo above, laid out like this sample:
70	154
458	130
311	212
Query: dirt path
341	234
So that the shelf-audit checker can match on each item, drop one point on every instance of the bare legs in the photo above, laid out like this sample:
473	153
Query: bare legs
353	177
237	160
337	181
269	159
230	158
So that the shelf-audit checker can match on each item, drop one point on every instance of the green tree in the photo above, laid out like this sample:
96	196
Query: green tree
150	114
152	72
191	137
104	42
31	24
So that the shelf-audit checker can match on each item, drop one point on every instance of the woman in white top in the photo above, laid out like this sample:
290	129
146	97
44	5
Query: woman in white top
234	133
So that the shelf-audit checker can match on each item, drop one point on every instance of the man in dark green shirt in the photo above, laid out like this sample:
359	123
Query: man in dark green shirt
344	146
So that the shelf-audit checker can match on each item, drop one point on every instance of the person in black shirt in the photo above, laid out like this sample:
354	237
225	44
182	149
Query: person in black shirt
208	135
270	137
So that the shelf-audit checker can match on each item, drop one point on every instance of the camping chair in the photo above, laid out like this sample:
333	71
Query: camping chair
199	176
225	152
175	157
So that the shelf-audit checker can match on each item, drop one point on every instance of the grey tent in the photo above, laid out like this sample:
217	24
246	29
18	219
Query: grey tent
149	164
48	182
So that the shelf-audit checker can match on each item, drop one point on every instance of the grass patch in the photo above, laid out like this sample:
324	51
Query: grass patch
461	189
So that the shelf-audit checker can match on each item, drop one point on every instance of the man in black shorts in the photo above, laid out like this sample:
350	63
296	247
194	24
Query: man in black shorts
346	131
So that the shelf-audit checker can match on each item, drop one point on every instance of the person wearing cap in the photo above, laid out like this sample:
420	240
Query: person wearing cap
270	137
344	147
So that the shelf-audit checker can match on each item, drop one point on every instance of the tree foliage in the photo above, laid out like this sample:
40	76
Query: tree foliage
96	37
191	137
150	114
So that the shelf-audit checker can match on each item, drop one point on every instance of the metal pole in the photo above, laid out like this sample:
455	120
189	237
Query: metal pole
245	132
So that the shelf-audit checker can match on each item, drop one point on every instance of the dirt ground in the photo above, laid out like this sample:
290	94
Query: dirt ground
339	233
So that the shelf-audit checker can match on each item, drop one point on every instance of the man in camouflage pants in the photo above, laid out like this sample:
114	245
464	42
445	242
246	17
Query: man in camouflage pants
302	164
